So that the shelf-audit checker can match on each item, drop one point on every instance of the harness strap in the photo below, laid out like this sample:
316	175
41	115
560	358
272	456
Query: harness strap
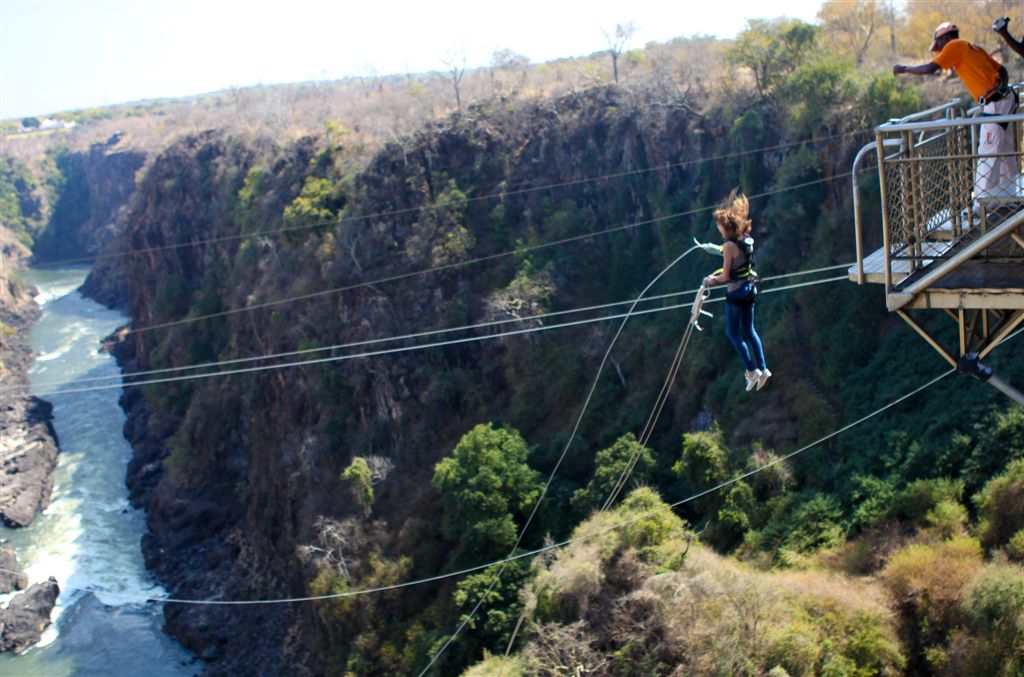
746	269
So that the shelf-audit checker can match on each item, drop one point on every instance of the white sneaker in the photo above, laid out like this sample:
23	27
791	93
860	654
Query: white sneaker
752	378
762	378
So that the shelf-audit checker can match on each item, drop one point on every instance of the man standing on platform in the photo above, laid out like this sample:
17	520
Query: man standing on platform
986	79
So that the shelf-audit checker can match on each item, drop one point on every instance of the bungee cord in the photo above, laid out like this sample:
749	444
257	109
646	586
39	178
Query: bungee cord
652	419
537	551
558	464
702	294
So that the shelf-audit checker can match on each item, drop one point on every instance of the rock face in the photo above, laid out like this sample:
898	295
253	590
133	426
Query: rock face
11	576
88	216
235	472
28	442
29	455
22	623
28	452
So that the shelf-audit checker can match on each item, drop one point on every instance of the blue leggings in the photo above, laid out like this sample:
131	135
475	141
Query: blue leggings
739	327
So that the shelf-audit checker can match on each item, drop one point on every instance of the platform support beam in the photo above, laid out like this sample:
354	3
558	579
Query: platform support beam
1003	331
927	337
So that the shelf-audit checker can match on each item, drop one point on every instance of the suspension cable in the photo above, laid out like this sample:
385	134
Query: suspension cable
538	551
405	349
389	339
408	210
482	259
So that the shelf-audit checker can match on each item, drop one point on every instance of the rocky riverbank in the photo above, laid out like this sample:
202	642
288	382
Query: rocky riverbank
28	442
28	450
23	621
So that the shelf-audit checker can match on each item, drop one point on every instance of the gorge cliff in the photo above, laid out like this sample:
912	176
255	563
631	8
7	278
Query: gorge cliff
250	252
242	475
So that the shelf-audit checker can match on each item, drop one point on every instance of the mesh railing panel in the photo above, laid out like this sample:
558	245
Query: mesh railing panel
941	184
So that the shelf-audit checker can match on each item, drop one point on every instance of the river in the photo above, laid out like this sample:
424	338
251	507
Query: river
88	538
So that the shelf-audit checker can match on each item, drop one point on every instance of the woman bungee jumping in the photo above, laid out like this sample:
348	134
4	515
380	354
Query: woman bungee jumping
737	273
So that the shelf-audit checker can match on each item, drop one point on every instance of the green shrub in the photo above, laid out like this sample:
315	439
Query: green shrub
996	441
1015	548
498	666
1001	506
358	473
873	498
926	581
497	617
704	459
646	531
611	467
947	519
485	486
813	524
994	602
317	203
920	497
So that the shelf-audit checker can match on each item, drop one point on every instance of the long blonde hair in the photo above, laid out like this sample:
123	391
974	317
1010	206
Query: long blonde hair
732	214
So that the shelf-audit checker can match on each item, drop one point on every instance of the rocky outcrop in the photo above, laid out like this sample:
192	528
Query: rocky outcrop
28	442
23	621
28	452
11	575
90	210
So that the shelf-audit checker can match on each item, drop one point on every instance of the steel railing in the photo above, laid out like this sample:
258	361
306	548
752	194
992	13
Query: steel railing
935	187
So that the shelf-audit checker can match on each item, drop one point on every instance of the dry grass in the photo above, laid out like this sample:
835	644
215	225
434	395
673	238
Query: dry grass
703	613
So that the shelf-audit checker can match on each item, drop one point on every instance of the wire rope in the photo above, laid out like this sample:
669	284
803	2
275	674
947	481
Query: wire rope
538	551
408	210
481	259
405	349
389	339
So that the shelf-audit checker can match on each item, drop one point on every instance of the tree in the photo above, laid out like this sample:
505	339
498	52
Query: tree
455	61
617	40
485	485
507	64
974	19
851	26
772	50
502	605
358	473
440	235
704	460
611	468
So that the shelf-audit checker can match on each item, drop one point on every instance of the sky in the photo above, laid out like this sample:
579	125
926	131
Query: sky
65	54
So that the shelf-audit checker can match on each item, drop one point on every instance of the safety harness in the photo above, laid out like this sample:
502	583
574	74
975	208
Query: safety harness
745	269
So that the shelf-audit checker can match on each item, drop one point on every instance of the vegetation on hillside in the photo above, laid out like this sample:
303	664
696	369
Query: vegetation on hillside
894	548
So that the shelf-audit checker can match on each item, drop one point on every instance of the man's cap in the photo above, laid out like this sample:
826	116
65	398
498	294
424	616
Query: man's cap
940	30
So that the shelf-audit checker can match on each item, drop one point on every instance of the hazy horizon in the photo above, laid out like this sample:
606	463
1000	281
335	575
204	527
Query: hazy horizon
60	55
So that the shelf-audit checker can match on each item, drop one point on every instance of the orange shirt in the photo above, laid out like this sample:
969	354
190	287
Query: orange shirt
977	70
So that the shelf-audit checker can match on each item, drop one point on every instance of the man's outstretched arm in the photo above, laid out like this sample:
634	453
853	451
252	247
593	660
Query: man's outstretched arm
923	69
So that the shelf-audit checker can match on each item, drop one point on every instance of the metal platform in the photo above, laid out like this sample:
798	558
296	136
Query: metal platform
875	264
952	226
976	285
